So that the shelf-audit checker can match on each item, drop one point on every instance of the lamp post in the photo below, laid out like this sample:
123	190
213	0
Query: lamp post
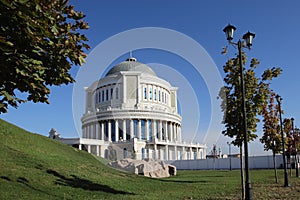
248	37
229	144
296	150
286	180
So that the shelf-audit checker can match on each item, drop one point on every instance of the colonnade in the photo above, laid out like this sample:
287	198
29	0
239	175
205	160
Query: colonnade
166	152
174	152
115	130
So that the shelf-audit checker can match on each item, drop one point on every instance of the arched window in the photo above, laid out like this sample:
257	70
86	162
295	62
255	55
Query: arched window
111	93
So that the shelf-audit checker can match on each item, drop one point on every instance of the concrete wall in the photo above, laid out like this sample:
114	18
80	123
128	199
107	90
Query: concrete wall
257	162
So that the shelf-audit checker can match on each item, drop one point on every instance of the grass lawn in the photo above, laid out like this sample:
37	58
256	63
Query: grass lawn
35	167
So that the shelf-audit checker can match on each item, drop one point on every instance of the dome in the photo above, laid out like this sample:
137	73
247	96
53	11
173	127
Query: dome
131	65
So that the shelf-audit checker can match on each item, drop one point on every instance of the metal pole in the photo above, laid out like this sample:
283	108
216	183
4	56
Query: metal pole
248	189
296	150
230	156
286	180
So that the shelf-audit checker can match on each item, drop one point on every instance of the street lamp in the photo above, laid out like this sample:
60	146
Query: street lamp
296	150
229	144
286	180
248	38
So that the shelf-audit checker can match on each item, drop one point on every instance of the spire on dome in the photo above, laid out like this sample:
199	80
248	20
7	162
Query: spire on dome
130	57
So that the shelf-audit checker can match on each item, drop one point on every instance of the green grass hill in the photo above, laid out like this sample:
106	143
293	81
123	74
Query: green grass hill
36	167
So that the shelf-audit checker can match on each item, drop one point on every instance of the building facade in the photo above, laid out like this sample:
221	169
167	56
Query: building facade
132	113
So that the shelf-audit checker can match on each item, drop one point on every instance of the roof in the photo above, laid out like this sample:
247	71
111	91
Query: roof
131	65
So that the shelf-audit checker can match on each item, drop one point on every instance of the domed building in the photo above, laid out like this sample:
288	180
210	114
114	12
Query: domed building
132	113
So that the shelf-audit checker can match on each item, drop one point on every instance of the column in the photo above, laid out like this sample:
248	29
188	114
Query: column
176	135
83	132
160	131
191	153
176	132
154	131
117	130
179	134
184	156
171	132
155	152
92	131
139	129
146	130
89	148
198	153
102	131
97	131
87	131
167	152
80	146
131	129
166	131
109	130
97	150
124	129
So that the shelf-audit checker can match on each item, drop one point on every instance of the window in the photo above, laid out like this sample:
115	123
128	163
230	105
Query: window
135	128
162	98
143	123
149	130
154	94
158	95
111	93
150	94
102	95
117	93
106	94
145	93
99	96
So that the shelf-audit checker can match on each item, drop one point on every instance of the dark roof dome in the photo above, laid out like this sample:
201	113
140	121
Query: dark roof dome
131	65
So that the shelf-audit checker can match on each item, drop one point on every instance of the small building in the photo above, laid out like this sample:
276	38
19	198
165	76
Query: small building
132	113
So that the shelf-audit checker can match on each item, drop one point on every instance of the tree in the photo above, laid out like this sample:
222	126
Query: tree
256	93
271	137
39	42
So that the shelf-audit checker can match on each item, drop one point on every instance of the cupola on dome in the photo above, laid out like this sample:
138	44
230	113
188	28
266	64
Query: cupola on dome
131	65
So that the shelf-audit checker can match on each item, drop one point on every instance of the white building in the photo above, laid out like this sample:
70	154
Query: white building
132	113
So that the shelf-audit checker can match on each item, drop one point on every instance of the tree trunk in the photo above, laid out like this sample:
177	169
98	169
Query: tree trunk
242	172
275	170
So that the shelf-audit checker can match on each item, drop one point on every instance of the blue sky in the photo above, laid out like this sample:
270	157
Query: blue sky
275	23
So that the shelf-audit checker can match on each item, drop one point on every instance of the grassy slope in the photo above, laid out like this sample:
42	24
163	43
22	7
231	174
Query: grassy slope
35	167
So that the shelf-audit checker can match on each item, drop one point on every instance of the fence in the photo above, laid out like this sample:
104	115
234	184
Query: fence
255	162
